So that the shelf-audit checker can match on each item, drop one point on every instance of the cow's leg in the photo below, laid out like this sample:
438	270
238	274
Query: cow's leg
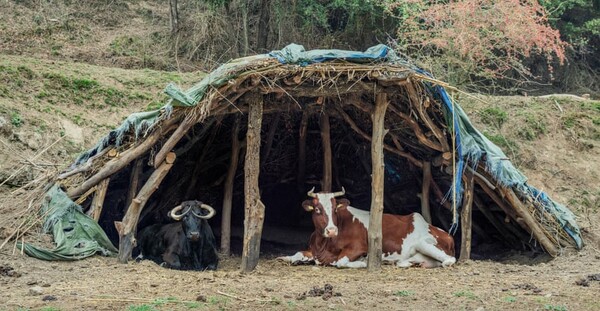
172	260
350	259
299	257
432	251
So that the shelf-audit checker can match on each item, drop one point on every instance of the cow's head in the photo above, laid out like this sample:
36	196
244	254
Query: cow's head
191	214
323	207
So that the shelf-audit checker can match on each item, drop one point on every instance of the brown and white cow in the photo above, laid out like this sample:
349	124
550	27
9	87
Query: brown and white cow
340	237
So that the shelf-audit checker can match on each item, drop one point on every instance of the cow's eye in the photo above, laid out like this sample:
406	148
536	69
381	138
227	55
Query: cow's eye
318	210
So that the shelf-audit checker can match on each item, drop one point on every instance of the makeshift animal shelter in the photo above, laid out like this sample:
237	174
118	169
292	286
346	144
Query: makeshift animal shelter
257	133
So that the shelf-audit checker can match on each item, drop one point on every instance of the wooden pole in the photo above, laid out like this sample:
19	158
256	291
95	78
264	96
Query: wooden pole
527	218
128	226
254	209
98	200
269	142
377	183
228	191
466	217
425	209
326	142
134	180
302	150
183	128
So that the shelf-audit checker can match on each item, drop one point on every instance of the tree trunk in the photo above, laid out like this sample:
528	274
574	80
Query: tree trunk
465	217
245	28
377	184
228	192
327	158
174	16
263	26
254	208
127	228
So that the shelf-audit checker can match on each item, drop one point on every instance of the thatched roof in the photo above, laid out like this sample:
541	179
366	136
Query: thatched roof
426	127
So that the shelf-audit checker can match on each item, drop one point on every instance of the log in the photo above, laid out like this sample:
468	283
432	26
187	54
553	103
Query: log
228	191
302	150
119	163
377	183
128	226
183	128
134	180
536	229
466	217
425	208
98	200
254	211
327	158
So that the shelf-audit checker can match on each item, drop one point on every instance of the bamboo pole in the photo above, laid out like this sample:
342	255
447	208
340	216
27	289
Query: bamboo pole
254	211
377	183
466	217
425	208
118	163
127	227
327	158
98	200
228	191
302	149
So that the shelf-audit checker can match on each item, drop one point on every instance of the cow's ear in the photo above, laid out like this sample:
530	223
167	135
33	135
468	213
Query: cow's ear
307	205
342	203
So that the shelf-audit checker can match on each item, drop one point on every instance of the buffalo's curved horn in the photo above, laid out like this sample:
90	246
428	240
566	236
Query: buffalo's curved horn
311	193
173	213
339	193
211	212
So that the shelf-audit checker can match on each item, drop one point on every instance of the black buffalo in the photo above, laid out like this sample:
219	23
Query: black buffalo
188	244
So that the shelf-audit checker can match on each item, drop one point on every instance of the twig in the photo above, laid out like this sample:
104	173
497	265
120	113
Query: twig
243	299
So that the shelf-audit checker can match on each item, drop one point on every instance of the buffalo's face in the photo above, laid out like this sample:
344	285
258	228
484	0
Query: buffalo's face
192	214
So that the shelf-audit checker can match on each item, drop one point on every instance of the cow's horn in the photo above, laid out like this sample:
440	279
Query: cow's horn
339	193
311	193
211	212
173	213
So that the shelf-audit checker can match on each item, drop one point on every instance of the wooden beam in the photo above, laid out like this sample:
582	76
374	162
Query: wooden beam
120	162
128	226
183	128
134	180
98	200
466	217
302	149
327	157
270	136
377	183
425	208
228	191
254	211
536	229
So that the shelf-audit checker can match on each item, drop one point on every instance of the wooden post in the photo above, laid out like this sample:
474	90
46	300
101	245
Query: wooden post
465	217
302	150
98	200
254	209
425	209
183	128
228	191
269	142
326	142
375	235
134	180
128	226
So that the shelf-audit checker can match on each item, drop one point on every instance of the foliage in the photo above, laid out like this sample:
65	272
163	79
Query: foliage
16	119
494	116
404	293
479	39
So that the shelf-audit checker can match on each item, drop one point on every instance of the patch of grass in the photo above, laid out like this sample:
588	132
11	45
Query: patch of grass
143	307
162	301
49	309
84	84
533	127
114	97
15	119
555	308
404	293
193	305
494	116
510	299
501	141
466	294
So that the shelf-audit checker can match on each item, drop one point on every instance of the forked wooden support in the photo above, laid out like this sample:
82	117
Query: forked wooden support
375	237
327	157
425	208
98	200
254	211
228	191
466	217
128	226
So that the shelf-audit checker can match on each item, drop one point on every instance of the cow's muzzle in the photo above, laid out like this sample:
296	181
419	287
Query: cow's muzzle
330	232
194	236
